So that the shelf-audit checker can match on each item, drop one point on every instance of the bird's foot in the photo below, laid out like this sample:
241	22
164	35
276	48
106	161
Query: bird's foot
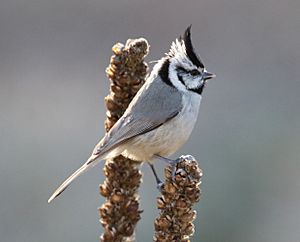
173	163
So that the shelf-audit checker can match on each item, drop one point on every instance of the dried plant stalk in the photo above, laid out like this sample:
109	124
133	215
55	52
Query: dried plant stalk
120	213
179	194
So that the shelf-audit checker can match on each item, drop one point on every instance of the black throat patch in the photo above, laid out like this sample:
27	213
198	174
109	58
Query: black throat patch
198	90
180	79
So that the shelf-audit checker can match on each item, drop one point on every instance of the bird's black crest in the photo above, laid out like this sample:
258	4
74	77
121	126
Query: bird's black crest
189	48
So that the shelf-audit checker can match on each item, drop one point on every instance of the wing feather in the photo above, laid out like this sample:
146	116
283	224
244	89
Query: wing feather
154	104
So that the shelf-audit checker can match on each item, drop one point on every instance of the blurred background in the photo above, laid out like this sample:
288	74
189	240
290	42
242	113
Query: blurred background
53	56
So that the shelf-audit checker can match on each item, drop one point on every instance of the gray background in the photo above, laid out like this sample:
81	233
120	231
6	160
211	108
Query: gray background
52	60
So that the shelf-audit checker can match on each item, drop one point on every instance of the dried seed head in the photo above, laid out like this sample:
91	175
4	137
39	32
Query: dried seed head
120	213
178	196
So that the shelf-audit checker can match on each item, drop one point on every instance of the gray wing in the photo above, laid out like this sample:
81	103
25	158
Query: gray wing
154	104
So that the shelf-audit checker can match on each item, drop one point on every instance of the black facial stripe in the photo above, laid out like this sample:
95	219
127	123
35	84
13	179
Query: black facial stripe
190	50
164	73
180	79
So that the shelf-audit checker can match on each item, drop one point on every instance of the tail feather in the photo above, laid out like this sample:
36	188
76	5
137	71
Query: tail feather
86	166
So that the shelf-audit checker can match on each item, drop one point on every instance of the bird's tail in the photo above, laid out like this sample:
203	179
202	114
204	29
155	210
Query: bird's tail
86	166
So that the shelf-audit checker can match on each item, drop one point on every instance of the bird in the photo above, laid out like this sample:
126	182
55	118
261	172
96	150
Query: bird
161	116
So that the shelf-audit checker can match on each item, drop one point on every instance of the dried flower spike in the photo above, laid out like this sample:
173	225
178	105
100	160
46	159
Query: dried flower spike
120	213
179	194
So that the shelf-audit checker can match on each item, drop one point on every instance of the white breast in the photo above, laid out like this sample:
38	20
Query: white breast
167	138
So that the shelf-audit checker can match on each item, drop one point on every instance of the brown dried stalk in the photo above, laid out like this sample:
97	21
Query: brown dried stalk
179	194
120	213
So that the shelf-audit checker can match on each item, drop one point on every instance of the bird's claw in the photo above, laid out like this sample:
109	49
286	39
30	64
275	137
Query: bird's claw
173	164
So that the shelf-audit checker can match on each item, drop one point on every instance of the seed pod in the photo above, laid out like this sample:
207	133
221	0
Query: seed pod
120	213
175	221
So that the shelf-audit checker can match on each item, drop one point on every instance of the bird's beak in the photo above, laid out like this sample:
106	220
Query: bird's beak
206	75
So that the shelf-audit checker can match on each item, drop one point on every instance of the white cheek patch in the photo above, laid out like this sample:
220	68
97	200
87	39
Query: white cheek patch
188	81
174	78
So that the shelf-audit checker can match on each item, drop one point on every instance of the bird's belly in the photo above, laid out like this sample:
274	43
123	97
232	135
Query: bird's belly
164	140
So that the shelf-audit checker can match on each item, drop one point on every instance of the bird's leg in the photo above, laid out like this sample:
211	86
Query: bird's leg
170	162
159	183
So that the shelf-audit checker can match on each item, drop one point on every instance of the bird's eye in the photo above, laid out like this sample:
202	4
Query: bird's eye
194	72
